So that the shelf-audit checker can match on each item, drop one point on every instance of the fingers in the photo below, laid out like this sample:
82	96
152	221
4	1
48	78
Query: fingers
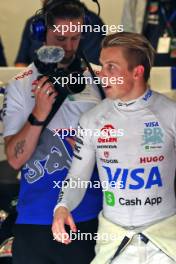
39	85
44	88
59	232
52	97
72	224
47	90
62	217
45	95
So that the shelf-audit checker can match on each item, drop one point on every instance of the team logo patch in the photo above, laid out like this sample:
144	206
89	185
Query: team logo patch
153	135
108	134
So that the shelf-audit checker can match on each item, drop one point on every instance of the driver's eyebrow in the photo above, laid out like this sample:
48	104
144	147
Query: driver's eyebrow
108	62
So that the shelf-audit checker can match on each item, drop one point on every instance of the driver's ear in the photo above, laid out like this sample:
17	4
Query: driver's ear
138	72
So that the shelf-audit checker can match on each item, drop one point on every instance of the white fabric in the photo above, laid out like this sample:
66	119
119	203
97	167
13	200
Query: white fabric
138	167
141	163
21	102
140	253
136	251
163	235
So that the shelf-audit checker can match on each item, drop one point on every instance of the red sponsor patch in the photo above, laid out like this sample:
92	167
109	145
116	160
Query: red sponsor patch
107	134
24	74
151	159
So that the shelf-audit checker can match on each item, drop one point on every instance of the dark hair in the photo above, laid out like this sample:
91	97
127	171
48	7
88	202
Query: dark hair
136	49
64	9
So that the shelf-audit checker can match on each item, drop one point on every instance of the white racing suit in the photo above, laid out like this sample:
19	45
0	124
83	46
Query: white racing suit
134	145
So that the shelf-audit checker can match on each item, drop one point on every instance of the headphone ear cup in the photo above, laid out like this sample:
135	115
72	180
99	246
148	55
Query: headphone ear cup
87	19
38	28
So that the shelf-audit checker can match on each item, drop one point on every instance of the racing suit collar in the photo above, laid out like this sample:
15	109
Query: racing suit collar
138	103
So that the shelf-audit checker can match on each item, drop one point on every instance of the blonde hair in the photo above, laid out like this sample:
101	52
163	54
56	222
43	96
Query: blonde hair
136	48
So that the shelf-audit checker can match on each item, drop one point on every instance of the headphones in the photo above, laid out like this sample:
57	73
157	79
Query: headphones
39	23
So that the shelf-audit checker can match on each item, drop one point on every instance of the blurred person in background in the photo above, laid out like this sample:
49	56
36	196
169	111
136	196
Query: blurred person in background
90	41
156	20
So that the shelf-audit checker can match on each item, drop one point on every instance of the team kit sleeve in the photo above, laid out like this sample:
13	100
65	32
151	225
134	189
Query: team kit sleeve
13	110
76	183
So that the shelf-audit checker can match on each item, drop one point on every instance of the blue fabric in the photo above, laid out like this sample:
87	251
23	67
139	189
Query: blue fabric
38	196
173	77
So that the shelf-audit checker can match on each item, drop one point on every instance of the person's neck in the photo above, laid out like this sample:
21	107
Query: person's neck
137	91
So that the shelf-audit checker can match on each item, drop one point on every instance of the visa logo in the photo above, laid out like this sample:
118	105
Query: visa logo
134	179
151	124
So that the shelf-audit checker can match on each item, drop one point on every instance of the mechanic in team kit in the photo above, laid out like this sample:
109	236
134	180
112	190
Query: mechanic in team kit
135	157
41	152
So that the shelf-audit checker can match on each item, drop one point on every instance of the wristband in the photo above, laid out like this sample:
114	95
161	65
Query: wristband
34	121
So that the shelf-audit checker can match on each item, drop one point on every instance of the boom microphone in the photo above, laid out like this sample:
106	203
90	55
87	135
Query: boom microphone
46	61
50	54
